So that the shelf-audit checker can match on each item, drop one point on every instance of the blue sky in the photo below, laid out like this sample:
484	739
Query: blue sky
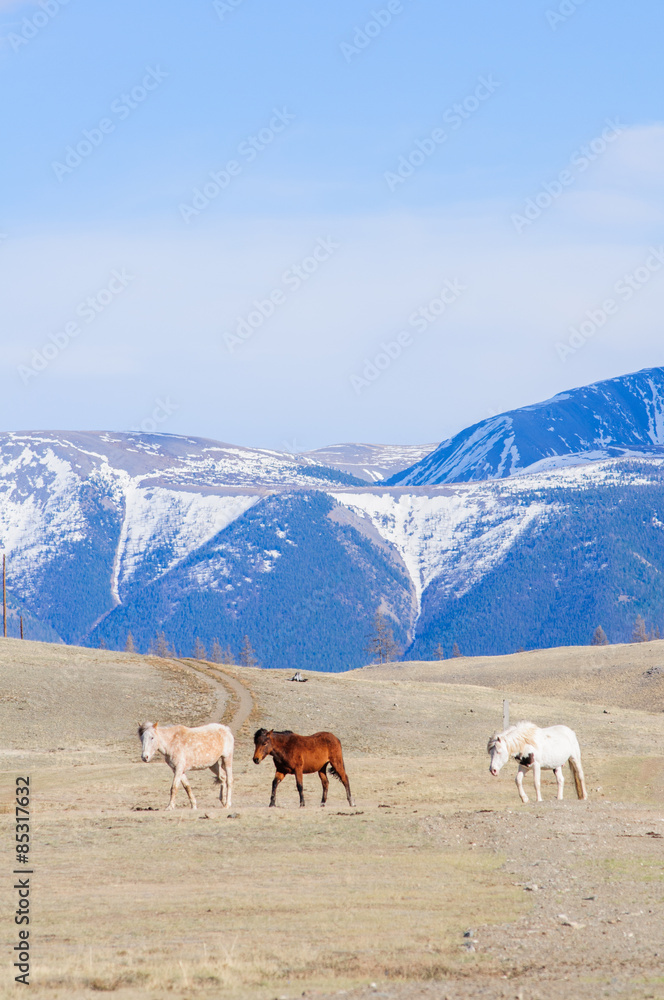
368	159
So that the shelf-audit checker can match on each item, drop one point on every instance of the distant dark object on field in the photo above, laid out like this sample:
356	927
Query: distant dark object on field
297	676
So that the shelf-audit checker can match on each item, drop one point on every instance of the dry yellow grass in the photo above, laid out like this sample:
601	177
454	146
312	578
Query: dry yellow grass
629	675
261	903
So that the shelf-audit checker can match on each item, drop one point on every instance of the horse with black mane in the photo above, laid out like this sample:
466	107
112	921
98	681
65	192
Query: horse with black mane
298	755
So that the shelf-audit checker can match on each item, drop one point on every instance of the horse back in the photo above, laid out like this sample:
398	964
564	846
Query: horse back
201	746
557	744
311	752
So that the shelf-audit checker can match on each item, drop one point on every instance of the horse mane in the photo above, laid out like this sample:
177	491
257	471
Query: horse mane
262	733
516	737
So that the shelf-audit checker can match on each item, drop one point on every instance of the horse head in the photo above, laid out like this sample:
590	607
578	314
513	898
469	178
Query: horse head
149	738
497	749
263	744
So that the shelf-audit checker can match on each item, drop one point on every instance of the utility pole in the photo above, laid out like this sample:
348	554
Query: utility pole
21	624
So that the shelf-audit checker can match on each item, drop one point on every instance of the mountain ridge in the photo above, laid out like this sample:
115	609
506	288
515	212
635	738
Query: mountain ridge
618	417
115	533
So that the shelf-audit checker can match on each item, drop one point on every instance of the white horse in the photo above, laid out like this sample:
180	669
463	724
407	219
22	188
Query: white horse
538	748
192	749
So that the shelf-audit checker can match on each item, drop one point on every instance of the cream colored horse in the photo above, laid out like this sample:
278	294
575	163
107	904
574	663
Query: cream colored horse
538	748
191	749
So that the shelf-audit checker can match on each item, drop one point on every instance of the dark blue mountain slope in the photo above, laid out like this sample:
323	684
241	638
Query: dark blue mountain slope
303	587
620	416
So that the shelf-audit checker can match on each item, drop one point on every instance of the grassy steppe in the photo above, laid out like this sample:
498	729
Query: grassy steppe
255	902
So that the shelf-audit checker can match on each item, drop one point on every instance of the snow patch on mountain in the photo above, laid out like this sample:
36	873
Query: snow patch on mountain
371	462
168	524
39	510
458	535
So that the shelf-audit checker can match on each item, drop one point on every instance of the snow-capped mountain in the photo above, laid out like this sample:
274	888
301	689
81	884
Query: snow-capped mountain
617	417
90	520
110	534
371	462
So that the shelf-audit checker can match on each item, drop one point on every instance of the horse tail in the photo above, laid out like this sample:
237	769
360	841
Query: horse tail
578	778
334	771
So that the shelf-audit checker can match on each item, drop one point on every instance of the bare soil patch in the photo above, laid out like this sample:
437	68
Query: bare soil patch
70	697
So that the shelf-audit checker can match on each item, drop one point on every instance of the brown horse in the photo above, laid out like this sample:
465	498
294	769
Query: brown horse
298	755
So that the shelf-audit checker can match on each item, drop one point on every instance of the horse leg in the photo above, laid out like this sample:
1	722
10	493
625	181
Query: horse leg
220	775
338	766
324	782
519	782
227	764
560	778
187	788
579	779
537	774
275	784
177	777
300	786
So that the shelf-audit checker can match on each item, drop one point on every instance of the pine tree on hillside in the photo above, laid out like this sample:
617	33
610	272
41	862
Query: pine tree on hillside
639	634
599	637
247	655
129	644
654	633
219	655
102	644
200	652
160	647
456	651
382	647
440	652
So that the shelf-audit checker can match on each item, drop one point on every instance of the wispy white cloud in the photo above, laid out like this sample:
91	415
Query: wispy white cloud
493	350
11	4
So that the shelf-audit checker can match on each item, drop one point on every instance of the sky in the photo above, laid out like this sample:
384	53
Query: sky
287	225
